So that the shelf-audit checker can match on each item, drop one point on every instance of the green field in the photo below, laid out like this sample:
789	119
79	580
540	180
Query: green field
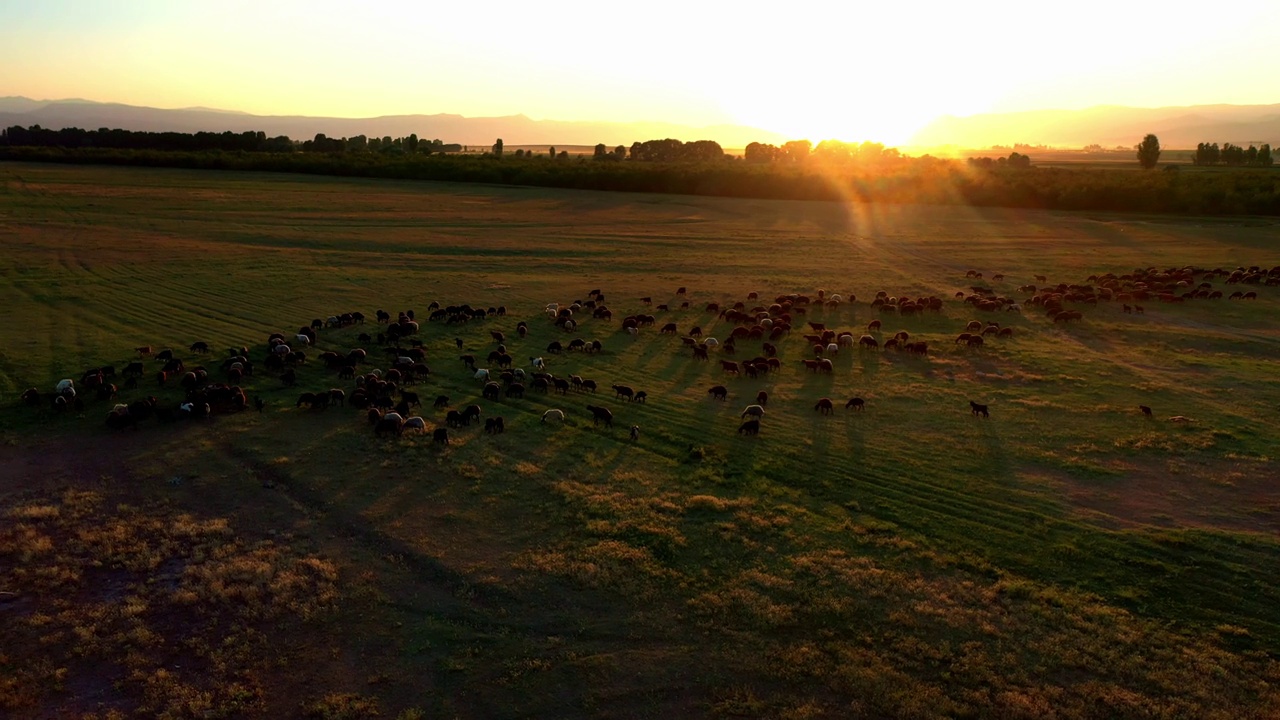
1066	558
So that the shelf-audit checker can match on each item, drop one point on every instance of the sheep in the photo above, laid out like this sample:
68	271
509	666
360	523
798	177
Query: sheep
302	339
538	363
824	406
855	404
553	413
482	375
719	392
711	342
978	410
65	385
601	413
753	410
635	432
833	349
750	427
440	436
415	424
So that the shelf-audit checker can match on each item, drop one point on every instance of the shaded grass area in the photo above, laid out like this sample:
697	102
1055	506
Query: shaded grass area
1065	556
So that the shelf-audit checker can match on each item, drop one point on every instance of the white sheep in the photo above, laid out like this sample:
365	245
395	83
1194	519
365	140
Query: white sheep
753	410
281	349
554	413
833	349
711	342
538	363
482	375
414	423
302	339
553	309
65	385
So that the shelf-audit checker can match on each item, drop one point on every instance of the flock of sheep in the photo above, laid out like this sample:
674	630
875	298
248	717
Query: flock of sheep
389	403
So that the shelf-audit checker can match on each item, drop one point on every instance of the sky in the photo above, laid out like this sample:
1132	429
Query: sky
841	69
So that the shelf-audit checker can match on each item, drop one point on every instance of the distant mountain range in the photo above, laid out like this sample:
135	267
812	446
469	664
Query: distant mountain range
515	130
1109	126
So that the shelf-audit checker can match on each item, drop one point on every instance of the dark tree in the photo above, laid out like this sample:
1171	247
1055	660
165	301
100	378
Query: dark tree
797	150
497	148
601	151
761	153
1149	151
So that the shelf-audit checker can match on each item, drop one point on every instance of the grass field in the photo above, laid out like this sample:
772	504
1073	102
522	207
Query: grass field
1067	558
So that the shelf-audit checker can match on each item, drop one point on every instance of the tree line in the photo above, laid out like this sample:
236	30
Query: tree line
795	170
1232	155
116	139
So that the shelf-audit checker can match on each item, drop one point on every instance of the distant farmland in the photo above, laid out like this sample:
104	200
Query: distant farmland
1066	557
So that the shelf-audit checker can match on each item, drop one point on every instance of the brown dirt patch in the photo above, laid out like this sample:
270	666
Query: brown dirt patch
1236	495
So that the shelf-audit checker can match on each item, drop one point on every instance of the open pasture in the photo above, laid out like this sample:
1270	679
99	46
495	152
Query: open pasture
1066	555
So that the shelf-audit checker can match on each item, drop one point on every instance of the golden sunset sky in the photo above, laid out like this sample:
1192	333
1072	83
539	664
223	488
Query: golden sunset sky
849	70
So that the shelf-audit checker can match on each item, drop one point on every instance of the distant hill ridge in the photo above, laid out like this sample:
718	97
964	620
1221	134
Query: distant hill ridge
1179	127
1108	125
515	130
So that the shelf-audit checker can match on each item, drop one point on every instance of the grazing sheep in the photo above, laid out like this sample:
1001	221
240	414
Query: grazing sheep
440	436
1145	410
554	414
750	427
719	392
855	403
711	342
469	413
753	410
538	363
482	375
762	398
978	410
601	413
635	432
824	406
389	426
414	424
641	397
623	391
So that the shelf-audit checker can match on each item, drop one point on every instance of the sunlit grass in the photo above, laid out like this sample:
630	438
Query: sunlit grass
1067	555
